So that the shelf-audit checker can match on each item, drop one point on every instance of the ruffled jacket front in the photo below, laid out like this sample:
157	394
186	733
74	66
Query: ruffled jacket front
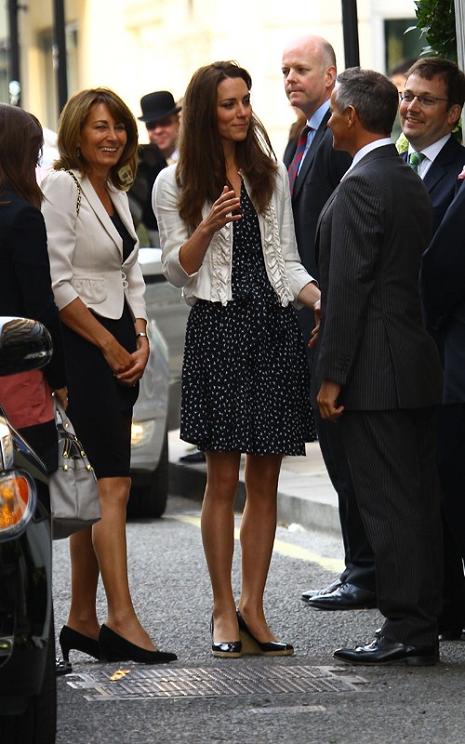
212	281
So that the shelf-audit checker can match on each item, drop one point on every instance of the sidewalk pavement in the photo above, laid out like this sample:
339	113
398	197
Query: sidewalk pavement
305	493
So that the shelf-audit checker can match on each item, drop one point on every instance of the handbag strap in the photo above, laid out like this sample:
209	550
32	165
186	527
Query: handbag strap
79	191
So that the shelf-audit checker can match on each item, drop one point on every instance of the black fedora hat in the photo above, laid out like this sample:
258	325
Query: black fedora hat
157	105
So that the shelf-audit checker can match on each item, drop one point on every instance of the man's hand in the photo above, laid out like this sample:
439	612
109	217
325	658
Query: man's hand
327	400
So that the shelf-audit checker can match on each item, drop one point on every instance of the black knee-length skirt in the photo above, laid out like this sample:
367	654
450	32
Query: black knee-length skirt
99	407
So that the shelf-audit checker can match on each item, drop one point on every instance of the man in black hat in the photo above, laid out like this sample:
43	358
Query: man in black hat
161	116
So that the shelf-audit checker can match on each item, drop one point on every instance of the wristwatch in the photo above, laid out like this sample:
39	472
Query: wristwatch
142	334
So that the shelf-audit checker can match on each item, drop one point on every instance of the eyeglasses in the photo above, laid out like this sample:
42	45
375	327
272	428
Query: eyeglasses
424	101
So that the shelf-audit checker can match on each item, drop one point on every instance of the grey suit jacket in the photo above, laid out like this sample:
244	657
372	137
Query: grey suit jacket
370	238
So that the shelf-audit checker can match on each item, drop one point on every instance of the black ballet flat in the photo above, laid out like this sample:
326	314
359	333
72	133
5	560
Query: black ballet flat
251	646
72	639
114	647
225	649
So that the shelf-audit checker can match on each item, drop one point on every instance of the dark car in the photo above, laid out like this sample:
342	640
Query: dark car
27	648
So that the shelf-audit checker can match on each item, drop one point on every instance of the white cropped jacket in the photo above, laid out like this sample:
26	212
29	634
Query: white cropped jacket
86	249
213	279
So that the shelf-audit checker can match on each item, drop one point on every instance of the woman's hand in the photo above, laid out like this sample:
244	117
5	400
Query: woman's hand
224	210
316	328
116	355
139	359
192	252
61	394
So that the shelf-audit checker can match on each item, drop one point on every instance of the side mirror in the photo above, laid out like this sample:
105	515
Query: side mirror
24	345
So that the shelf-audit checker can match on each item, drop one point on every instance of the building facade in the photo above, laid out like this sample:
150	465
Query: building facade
137	46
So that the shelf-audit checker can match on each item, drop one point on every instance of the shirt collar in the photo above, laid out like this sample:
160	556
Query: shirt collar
432	151
368	148
318	115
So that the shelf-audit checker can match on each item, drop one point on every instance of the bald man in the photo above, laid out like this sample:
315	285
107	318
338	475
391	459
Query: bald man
315	169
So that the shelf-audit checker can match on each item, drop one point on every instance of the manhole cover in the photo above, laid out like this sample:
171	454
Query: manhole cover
129	683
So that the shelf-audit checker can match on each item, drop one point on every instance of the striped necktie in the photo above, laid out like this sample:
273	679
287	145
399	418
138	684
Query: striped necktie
415	159
293	169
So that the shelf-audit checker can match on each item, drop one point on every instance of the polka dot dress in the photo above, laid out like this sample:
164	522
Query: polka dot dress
245	380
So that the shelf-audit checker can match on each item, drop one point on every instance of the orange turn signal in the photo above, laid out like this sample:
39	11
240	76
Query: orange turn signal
17	498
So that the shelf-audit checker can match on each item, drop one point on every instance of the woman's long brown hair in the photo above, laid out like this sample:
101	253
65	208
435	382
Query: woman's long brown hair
21	141
201	170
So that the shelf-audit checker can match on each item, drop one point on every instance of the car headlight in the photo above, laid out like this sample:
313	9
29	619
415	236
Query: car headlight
17	503
6	446
142	432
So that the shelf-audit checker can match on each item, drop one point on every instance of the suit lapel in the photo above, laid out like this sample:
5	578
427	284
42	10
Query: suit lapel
101	213
308	160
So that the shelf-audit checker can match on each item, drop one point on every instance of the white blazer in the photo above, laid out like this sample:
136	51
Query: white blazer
86	250
213	279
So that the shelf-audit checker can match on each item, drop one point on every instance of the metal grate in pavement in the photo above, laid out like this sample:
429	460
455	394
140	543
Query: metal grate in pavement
131	683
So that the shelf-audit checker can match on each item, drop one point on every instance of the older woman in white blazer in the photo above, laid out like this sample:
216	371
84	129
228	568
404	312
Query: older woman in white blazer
227	237
99	291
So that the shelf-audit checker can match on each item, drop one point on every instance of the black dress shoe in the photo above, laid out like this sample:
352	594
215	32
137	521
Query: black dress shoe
62	667
114	647
252	646
344	597
194	458
384	651
306	596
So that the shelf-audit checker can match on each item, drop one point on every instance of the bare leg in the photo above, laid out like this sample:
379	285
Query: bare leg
104	547
84	578
258	529
218	538
109	540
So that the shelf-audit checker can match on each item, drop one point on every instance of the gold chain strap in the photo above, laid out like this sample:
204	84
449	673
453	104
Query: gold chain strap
79	191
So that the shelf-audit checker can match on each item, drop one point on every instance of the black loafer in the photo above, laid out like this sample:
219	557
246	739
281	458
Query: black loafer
453	633
306	596
383	651
345	597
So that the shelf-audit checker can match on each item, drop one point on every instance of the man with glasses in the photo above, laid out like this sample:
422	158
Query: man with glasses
430	108
161	116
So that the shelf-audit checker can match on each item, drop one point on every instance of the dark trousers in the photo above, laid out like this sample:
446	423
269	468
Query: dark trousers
392	458
358	554
451	464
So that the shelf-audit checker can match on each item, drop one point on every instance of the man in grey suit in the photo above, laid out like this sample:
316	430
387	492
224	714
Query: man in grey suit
378	371
315	169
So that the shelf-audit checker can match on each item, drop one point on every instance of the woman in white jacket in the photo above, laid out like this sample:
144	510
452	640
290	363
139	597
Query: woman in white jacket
99	291
227	237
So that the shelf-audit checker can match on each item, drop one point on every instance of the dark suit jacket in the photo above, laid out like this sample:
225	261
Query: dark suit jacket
370	238
151	162
441	179
322	169
443	293
25	284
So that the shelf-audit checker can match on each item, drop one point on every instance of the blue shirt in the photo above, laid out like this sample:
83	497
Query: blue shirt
314	122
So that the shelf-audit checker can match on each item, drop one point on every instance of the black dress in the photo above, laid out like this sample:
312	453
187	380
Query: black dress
99	407
245	381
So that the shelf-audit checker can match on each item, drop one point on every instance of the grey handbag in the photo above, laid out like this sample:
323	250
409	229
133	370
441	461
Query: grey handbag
74	499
